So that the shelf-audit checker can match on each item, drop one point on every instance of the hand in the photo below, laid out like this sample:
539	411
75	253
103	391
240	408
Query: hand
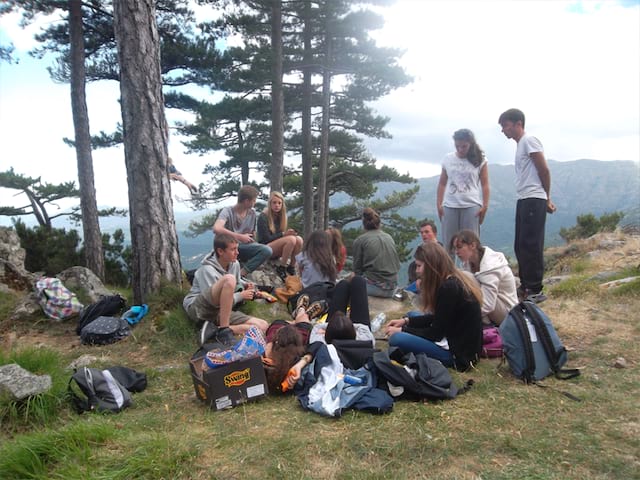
250	286
290	231
391	330
398	322
440	212
481	213
248	294
294	375
245	238
550	206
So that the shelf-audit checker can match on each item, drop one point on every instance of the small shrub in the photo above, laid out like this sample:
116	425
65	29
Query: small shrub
588	225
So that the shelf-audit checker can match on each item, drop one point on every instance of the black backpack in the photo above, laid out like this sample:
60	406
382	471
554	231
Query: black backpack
432	380
111	305
104	330
316	291
107	390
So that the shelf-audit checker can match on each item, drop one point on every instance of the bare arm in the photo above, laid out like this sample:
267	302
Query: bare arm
219	228
545	177
484	182
442	184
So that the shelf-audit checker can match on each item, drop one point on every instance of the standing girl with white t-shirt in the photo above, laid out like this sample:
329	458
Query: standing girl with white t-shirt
463	189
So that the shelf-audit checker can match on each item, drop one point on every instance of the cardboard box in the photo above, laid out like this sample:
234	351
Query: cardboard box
229	385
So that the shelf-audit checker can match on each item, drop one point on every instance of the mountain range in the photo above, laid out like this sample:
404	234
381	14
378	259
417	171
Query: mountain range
577	187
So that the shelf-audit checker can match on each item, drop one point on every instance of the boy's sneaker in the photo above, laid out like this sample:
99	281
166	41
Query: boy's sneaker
208	332
301	303
536	297
291	270
316	309
225	336
281	270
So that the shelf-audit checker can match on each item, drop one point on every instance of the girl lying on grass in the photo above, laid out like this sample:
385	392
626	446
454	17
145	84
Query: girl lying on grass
349	332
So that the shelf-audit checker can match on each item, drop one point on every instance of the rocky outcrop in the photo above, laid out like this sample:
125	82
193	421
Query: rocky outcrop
12	272
16	383
79	279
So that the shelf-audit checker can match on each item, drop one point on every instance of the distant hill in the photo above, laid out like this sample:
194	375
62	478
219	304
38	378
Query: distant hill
577	187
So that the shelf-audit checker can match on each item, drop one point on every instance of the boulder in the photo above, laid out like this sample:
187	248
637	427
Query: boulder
16	383
12	255
81	278
266	275
27	308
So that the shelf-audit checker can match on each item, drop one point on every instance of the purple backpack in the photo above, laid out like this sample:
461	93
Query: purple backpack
491	342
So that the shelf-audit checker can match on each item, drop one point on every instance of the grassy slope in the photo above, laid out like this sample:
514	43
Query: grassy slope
500	429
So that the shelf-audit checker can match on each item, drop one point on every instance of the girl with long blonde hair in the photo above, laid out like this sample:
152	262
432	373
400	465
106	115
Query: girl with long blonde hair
273	231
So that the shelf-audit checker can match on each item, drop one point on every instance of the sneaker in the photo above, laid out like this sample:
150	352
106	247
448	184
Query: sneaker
208	332
281	270
291	270
536	297
303	302
225	336
399	295
316	309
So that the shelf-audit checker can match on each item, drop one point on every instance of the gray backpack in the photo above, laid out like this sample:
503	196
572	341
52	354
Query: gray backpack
104	390
531	345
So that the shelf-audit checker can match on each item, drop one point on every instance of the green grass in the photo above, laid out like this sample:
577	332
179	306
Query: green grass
574	287
500	429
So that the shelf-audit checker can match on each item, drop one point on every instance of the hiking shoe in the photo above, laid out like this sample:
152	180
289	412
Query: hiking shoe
302	302
291	270
536	297
208	332
281	270
225	336
316	309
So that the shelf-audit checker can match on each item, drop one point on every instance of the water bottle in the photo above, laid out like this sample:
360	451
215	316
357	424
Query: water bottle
378	321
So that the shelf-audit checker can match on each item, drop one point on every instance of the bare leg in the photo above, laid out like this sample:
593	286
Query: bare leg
297	249
282	248
222	296
242	328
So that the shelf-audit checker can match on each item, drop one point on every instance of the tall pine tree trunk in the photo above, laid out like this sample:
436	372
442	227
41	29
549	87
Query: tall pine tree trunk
94	258
323	168
277	99
307	153
153	232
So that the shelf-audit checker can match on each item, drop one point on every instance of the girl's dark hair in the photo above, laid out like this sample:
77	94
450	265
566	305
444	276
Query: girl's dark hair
370	219
340	327
286	350
475	156
318	249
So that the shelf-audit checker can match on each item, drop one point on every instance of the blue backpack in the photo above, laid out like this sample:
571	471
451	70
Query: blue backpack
532	346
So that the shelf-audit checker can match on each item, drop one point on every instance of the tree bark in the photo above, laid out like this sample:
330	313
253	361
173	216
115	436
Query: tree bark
277	99
93	256
322	218
154	239
307	152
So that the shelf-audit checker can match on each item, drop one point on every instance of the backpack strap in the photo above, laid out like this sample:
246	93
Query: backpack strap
521	325
553	355
80	404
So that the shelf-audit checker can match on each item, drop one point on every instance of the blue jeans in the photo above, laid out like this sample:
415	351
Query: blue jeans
252	255
412	343
412	287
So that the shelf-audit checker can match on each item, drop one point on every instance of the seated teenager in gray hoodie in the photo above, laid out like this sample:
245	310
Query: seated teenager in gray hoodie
216	288
492	271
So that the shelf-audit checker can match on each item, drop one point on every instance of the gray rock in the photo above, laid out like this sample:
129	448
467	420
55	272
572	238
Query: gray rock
602	276
27	308
620	363
555	279
12	255
607	244
17	383
593	254
81	278
266	275
620	281
82	361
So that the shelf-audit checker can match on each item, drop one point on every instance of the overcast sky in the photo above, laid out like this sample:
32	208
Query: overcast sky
572	67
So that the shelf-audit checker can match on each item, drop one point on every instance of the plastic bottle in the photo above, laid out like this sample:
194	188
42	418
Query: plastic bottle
378	321
351	380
